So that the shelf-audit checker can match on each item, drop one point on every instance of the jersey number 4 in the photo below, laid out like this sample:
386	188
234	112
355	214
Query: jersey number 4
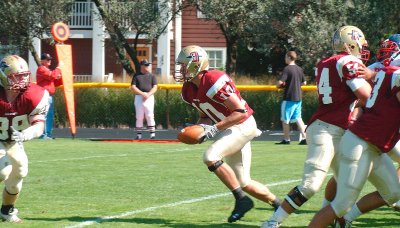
324	88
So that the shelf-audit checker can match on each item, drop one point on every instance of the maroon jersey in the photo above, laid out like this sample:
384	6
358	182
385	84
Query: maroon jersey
215	87
336	78
33	101
380	122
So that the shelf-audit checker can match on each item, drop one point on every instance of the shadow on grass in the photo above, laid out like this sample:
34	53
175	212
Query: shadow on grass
145	221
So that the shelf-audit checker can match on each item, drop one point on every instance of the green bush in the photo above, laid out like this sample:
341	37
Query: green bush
114	108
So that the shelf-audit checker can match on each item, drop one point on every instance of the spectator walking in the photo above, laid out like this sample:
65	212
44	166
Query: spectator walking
49	80
291	80
144	85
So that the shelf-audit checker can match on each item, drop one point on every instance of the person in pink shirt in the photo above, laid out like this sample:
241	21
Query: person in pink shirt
49	80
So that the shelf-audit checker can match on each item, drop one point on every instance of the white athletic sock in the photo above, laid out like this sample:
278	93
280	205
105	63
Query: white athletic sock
325	203
279	215
353	214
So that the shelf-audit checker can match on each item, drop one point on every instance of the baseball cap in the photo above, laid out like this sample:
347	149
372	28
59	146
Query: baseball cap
145	62
45	56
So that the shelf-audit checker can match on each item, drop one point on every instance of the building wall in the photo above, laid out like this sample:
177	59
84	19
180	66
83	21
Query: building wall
199	31
81	55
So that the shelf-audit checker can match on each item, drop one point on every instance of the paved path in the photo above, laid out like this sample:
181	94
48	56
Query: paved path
115	133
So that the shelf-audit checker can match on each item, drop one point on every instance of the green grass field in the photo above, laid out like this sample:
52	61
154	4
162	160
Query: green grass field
77	183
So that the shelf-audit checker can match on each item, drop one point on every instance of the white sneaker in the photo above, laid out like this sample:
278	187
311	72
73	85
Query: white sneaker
11	217
270	224
396	206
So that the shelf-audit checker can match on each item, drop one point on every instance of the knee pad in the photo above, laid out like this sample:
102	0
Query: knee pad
295	198
215	166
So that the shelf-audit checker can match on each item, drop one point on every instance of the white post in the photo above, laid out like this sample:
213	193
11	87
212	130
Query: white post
31	60
178	35
98	52
164	52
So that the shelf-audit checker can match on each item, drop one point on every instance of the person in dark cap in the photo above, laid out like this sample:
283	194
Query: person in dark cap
144	85
49	80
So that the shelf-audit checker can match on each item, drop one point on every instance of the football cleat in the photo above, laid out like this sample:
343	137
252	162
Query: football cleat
11	217
342	223
242	206
283	142
271	224
303	142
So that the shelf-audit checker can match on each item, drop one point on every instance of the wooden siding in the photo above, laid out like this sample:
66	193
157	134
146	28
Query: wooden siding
199	31
81	55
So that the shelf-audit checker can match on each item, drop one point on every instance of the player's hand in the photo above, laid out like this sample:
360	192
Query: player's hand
365	72
16	135
209	132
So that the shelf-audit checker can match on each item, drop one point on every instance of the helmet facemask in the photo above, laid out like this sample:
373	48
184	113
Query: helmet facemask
388	51
14	73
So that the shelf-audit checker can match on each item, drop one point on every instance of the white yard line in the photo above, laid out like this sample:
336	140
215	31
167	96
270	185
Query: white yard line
117	155
130	213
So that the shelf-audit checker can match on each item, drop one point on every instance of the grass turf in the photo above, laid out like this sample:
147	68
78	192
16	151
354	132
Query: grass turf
73	183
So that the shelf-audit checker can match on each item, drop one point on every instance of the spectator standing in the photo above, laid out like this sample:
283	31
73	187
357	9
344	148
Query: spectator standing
144	85
291	80
49	80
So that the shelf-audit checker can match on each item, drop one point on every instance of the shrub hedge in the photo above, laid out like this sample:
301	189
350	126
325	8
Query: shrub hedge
114	108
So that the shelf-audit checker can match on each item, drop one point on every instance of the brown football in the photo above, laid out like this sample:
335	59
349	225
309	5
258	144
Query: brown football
191	134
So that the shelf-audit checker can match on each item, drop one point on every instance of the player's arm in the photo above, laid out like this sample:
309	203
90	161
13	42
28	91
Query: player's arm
363	93
36	120
239	112
49	74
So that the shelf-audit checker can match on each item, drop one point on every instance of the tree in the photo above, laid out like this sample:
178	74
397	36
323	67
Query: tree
145	18
23	20
235	18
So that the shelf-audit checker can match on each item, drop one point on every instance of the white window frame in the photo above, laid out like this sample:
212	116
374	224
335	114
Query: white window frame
221	49
201	15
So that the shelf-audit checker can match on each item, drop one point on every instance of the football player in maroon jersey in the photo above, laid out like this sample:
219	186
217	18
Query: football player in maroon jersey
387	55
23	107
361	149
225	115
339	91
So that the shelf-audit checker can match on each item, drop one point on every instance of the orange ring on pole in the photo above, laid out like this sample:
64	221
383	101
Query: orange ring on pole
60	32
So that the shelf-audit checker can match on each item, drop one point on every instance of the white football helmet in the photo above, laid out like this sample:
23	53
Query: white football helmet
192	59
14	73
351	39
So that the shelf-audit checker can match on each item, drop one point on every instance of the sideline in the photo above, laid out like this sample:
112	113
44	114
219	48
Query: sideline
130	213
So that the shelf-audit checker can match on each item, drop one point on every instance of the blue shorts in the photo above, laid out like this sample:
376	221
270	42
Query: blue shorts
290	111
